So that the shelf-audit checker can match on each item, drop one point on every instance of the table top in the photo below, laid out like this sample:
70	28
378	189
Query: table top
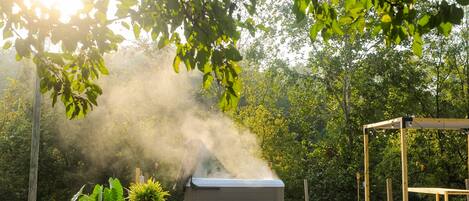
438	190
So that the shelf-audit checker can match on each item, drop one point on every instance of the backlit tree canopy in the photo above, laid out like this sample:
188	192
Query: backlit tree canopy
397	20
69	52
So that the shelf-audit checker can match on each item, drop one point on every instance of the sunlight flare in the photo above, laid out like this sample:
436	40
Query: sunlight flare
66	8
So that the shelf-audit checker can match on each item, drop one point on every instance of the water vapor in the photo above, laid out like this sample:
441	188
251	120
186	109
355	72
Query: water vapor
148	112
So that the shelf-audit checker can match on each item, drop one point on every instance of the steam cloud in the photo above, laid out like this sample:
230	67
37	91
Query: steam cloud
150	111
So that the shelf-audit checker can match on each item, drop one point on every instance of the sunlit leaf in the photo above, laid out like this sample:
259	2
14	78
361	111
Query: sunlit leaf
386	18
176	63
208	78
445	28
424	20
7	45
417	45
136	29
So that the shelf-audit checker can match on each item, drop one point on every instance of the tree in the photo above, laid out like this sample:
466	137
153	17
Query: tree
397	20
205	34
58	163
210	30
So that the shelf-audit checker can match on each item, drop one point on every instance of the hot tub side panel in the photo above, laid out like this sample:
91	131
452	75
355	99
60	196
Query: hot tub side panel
234	194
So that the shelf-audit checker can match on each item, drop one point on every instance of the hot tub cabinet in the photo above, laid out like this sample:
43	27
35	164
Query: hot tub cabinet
209	189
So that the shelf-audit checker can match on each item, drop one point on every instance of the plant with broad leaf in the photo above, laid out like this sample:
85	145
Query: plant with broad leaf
114	192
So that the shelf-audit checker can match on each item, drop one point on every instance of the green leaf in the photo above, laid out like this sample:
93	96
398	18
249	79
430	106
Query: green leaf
368	4
127	3
7	45
207	68
70	109
251	8
189	61
336	28
445	28
417	45
262	28
360	24
233	54
163	42
22	48
208	78
299	8
101	16
223	103
116	190
7	33
136	29
125	25
386	18
176	62
237	87
313	31
349	4
102	68
97	190
107	195
345	20
54	98
236	68
424	20
18	57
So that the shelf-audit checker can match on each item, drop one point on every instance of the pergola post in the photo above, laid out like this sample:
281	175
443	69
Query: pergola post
467	133
405	193
405	123
367	165
466	181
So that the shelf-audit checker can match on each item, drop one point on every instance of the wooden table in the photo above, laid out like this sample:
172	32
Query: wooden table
446	192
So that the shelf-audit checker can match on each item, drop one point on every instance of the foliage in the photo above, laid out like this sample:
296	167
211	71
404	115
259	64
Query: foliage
114	192
204	33
396	20
59	164
65	163
348	83
149	191
210	32
306	113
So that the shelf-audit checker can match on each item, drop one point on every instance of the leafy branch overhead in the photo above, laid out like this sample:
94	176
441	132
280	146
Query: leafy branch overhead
204	32
397	20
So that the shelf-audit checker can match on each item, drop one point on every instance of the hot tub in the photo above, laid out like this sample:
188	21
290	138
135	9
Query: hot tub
215	189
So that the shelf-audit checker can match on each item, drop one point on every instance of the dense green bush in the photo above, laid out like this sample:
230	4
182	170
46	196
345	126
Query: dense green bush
150	191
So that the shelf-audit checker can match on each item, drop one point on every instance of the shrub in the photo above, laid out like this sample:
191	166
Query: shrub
150	191
101	193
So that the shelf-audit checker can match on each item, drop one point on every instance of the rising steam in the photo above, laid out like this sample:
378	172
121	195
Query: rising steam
149	111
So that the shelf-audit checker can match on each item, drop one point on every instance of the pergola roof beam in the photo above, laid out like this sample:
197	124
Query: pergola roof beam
428	123
388	124
421	123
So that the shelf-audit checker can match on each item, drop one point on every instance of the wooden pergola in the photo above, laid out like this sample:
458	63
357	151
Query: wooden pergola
403	124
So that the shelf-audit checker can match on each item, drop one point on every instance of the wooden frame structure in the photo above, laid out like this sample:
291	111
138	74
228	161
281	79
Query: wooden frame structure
446	192
403	124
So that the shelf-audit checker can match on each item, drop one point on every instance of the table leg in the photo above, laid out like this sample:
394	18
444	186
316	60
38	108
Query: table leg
437	197
446	197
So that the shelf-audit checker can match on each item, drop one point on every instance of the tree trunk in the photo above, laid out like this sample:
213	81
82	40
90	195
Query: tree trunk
33	165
